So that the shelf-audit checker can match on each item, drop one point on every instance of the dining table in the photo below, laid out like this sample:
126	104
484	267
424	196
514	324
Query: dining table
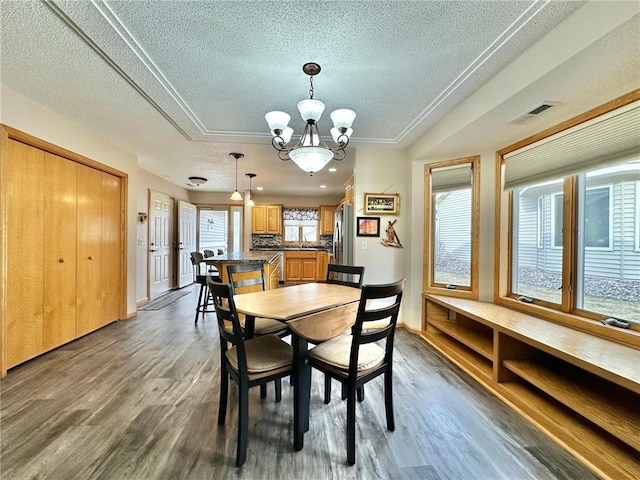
314	312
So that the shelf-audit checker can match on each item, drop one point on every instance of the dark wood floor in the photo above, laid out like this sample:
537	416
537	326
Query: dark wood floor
139	399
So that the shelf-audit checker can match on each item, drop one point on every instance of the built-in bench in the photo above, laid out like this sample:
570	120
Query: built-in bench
580	389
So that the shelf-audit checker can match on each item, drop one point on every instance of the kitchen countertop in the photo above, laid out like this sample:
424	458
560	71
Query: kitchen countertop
245	257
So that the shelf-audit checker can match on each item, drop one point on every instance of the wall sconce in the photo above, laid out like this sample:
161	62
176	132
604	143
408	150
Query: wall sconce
142	218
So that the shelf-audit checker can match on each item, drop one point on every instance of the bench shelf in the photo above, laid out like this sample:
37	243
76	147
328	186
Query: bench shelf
582	390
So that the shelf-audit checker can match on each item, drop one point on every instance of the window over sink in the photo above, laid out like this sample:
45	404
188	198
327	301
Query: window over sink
300	226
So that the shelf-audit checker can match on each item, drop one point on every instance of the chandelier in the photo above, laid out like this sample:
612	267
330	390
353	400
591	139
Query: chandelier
311	153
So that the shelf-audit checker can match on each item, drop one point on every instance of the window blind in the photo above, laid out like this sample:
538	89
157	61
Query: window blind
605	140
447	179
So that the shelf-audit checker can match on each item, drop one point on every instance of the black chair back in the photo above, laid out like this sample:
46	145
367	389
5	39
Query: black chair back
228	322
389	297
246	277
208	253
348	275
196	261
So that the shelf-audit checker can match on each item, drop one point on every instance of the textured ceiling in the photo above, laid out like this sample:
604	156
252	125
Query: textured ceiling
182	84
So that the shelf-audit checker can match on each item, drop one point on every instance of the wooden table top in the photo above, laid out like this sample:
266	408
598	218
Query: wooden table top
288	303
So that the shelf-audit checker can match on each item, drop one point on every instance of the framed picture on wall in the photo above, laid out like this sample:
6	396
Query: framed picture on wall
381	203
368	227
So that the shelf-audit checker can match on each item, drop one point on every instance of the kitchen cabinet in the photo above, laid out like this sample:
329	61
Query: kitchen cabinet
327	219
63	250
266	219
305	266
322	265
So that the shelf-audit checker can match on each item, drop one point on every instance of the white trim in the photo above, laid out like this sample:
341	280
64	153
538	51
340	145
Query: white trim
636	245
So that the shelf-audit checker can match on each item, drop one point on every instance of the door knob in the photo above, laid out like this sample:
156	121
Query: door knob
153	250
90	257
61	260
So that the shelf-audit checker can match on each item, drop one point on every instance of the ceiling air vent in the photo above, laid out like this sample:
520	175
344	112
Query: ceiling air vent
537	110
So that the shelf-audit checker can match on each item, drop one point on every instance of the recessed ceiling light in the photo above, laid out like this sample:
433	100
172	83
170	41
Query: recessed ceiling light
258	188
323	186
332	169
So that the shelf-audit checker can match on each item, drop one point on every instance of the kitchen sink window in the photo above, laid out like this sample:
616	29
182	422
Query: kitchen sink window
300	226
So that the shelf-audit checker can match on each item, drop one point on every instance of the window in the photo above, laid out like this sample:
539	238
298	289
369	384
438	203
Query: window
220	227
536	263
568	239
300	225
452	227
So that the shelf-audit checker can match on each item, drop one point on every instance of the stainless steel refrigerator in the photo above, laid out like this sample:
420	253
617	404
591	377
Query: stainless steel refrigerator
343	235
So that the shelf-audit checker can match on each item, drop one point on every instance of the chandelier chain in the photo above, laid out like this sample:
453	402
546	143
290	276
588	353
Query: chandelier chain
311	87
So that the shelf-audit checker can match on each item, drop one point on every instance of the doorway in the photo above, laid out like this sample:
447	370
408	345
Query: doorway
220	228
161	218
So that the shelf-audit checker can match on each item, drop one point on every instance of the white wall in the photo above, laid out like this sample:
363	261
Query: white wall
377	170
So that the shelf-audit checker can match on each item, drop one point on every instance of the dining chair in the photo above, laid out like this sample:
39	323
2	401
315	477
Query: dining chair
246	278
201	279
355	359
212	269
350	276
249	363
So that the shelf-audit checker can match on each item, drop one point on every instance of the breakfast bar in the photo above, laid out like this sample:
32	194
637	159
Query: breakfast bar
270	259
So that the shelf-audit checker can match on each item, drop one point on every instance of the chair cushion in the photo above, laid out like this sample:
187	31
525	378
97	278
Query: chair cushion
336	352
263	326
263	354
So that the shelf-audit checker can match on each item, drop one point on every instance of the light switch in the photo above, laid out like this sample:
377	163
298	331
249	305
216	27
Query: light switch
141	242
364	245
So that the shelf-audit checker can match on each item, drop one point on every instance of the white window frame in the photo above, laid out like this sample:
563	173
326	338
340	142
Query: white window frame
540	219
552	243
637	240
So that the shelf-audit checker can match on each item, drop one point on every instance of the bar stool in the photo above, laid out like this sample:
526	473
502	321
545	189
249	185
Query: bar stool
204	298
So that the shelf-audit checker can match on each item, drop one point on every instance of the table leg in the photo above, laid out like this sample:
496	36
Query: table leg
301	391
249	326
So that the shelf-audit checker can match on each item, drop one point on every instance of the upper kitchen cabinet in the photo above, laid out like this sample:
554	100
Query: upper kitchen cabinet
267	219
327	219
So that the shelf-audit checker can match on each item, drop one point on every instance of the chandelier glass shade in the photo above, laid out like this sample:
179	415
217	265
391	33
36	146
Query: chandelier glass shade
311	153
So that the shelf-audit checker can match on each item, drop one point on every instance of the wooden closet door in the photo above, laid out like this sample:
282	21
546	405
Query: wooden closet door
89	249
111	268
60	212
24	190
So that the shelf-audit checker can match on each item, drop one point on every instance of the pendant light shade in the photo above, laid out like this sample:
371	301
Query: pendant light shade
235	196
250	202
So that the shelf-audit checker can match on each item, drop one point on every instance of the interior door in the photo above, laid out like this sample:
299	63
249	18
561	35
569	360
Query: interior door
186	242
89	250
60	214
160	236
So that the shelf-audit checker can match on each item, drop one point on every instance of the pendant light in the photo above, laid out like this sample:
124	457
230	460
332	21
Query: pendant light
235	196
250	202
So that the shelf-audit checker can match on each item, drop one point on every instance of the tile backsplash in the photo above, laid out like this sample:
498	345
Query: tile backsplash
273	241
